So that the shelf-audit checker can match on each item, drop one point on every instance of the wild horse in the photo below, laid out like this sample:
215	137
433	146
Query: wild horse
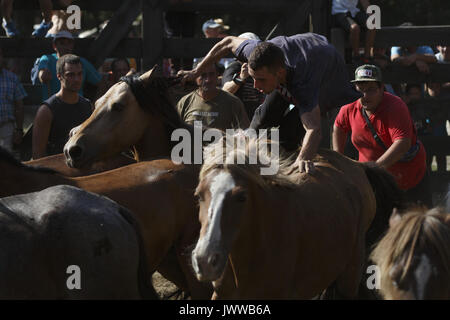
282	236
158	193
66	243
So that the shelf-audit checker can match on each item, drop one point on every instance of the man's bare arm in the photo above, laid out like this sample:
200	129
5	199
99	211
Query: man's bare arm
394	153
41	130
311	141
339	139
220	50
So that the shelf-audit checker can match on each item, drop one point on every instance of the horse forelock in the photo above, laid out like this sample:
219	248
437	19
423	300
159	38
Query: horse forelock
225	153
417	232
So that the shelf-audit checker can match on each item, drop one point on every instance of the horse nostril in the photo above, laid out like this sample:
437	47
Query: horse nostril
214	260
75	152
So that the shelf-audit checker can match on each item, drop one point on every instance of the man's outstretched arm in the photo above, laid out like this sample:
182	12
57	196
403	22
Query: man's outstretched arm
220	50
311	141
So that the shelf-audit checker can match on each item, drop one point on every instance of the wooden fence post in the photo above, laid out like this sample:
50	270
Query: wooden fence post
152	33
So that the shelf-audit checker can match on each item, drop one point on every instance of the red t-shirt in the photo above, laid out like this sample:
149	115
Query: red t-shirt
392	121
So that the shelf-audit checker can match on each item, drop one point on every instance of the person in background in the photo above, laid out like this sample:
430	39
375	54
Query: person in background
41	31
437	118
383	132
62	111
236	80
421	56
63	44
215	28
11	108
443	56
348	17
212	106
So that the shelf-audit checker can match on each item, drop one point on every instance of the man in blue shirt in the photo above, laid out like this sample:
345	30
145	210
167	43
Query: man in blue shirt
63	44
11	108
302	71
419	56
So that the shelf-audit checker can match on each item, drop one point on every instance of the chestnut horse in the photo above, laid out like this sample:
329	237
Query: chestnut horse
414	256
137	112
57	162
43	233
280	236
158	193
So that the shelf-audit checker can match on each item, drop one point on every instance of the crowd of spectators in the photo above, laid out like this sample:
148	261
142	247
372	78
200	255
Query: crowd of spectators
428	102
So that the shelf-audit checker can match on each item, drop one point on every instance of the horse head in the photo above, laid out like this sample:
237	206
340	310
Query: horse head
122	117
223	200
227	193
414	256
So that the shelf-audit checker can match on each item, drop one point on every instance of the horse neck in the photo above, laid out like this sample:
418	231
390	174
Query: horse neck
154	143
18	180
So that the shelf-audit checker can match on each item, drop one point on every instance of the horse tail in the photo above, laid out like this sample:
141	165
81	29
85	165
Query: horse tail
388	196
146	288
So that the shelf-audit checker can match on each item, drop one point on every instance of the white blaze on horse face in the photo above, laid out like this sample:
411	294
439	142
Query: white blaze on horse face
220	186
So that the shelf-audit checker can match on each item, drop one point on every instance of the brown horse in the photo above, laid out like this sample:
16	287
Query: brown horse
57	162
414	256
280	236
45	236
158	193
135	112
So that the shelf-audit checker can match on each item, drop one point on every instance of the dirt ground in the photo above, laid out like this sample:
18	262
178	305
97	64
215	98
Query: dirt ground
166	289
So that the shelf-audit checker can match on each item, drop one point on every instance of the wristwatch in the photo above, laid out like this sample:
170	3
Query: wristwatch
237	80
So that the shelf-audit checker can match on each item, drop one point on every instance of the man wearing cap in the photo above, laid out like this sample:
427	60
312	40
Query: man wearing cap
383	132
215	28
301	76
63	43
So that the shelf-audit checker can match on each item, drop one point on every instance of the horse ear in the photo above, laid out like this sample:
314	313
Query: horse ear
395	218
151	74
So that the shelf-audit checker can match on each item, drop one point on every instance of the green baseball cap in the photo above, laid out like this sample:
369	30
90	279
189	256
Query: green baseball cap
367	72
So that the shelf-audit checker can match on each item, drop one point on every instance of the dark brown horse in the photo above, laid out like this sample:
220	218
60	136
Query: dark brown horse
414	256
66	243
158	193
279	236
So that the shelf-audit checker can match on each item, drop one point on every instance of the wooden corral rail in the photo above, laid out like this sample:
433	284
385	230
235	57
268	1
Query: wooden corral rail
180	5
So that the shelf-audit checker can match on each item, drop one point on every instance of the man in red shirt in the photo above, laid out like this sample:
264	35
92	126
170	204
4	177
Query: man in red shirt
383	133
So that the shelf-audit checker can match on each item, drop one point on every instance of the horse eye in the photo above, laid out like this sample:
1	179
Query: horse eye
199	198
117	107
241	197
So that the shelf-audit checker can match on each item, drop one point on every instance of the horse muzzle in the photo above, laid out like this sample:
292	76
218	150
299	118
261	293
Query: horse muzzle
208	266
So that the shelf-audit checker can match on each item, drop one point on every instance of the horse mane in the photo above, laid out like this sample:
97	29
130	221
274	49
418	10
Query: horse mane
417	231
222	159
6	156
153	96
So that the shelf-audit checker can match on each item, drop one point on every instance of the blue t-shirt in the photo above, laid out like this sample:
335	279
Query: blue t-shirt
420	50
317	74
48	61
